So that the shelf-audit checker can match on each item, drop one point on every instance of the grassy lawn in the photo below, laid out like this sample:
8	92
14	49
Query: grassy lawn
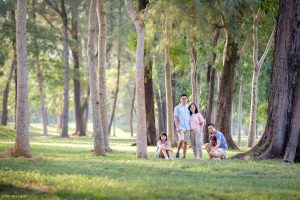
68	170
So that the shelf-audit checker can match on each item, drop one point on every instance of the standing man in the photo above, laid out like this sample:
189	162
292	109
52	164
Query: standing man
220	148
182	122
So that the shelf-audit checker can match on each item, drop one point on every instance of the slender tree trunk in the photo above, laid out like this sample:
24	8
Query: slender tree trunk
65	121
6	90
193	55
257	66
76	80
85	110
283	110
41	93
211	78
168	82
139	23
131	111
149	102
118	70
22	146
39	75
99	148
161	127
240	111
224	112
102	72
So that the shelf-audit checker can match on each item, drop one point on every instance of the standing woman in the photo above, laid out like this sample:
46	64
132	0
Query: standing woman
197	122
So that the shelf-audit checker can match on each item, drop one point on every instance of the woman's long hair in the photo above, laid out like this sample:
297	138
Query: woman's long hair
196	109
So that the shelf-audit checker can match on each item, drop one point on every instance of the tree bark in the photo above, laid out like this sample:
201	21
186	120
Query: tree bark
283	110
139	23
168	81
149	102
131	111
231	58
99	148
211	78
195	95
22	146
118	71
76	80
161	127
39	77
102	72
6	90
65	120
257	66
240	111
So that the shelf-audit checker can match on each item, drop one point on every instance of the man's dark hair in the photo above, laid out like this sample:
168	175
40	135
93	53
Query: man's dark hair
210	124
183	95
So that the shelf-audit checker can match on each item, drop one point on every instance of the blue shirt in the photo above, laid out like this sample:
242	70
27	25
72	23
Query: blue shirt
183	114
220	137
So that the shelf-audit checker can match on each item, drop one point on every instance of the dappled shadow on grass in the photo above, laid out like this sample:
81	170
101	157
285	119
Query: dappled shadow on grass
9	191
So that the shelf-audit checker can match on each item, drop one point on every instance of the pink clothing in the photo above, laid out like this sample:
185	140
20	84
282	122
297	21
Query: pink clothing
196	121
166	143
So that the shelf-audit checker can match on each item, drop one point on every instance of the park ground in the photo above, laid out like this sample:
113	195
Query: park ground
67	169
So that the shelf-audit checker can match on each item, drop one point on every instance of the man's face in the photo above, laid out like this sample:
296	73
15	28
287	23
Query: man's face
183	99
211	129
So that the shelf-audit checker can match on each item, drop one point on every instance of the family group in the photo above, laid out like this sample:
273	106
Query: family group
189	124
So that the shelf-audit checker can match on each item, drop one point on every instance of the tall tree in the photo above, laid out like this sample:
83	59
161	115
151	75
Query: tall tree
168	78
80	131
281	135
118	67
211	76
6	89
257	64
138	19
39	72
13	68
99	148
149	102
232	22
102	72
63	14
22	146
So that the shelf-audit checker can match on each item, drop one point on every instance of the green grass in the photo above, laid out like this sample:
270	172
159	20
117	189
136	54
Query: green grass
70	171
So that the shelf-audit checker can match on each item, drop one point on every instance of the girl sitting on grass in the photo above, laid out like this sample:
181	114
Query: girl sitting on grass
164	148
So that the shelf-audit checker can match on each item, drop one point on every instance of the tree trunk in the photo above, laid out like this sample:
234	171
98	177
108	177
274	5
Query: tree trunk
39	76
22	146
85	111
283	110
161	127
65	120
140	90
211	78
102	72
149	102
6	90
41	93
231	58
193	55
131	111
257	66
168	82
240	111
76	80
118	71
99	148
